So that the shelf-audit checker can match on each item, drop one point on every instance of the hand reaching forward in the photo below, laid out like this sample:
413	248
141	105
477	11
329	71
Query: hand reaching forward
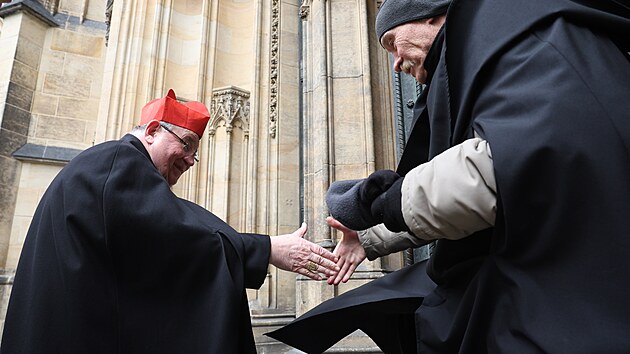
349	251
293	253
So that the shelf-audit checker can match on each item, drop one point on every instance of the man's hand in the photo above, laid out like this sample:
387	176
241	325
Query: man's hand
349	251
293	253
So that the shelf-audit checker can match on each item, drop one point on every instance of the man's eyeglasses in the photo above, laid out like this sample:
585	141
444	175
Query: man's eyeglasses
186	145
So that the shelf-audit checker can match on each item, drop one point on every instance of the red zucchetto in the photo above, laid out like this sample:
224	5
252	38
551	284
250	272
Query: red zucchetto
190	115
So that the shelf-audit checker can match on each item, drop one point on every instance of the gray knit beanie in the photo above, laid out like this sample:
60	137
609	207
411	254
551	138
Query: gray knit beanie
396	12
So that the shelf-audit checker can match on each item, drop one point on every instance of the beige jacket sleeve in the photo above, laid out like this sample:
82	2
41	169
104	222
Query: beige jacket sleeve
451	197
378	241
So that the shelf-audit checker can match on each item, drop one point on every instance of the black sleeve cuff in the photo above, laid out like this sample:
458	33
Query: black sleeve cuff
389	206
257	253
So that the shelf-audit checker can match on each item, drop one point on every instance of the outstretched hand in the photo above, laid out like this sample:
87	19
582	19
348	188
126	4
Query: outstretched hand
293	253
349	251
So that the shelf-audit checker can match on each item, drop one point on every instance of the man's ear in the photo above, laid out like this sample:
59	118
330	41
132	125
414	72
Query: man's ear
151	130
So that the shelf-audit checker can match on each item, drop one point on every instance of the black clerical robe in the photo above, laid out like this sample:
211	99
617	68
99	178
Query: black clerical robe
547	85
114	262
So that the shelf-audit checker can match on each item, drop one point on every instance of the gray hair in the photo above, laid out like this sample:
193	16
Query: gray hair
142	127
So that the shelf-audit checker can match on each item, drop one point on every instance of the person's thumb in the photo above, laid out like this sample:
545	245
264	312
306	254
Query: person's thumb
302	230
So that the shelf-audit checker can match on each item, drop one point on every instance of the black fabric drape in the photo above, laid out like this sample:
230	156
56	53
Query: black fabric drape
383	309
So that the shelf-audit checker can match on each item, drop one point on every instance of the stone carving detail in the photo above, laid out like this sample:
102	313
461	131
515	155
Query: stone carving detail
229	104
305	9
273	67
51	5
108	18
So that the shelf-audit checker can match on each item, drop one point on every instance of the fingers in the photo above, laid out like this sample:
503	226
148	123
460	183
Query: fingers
347	268
312	270
324	253
334	223
308	273
336	278
349	273
319	264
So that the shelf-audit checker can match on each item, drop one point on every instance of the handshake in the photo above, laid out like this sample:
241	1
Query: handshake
354	205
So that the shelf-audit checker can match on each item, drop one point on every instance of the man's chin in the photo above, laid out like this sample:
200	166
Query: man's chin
421	78
173	179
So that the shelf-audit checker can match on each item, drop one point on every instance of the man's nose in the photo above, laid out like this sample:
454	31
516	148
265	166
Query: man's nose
190	160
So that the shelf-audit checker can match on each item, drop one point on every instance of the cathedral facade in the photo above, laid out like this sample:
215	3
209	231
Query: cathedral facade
300	93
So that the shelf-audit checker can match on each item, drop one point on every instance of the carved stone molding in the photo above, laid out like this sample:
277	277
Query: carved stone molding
305	9
273	67
229	104
108	18
51	5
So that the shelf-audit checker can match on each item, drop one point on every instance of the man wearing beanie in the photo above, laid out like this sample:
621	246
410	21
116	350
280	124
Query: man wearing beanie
115	262
517	165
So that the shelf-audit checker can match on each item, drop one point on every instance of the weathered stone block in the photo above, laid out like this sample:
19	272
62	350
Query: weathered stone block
52	62
60	85
13	251
76	108
38	175
10	141
70	6
29	53
346	48
16	120
19	96
33	29
7	198
44	104
60	129
310	293
77	66
77	43
9	171
24	75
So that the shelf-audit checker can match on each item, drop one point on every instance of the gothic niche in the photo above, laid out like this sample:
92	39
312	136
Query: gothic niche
229	104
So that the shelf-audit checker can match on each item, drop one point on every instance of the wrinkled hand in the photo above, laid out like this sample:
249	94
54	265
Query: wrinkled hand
293	253
349	251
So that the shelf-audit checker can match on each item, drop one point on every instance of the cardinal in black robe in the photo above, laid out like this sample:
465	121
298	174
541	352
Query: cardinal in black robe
115	262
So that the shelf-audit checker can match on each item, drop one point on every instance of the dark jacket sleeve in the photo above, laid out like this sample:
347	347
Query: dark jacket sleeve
258	251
